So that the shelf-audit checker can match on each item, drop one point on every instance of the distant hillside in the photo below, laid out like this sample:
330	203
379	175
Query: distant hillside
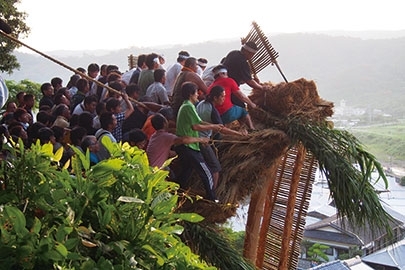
367	73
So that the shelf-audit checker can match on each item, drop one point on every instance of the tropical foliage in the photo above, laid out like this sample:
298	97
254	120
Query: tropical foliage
15	19
350	185
216	246
25	86
117	214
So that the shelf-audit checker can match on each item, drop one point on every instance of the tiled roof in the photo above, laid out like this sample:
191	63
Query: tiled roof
392	256
364	234
335	265
332	237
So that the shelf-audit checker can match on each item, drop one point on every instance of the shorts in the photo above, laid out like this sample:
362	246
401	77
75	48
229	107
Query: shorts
210	158
233	114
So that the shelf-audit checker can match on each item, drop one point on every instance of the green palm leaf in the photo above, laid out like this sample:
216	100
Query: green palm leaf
338	152
212	245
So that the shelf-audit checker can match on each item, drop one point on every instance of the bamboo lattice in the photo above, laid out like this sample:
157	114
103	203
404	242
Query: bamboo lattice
291	193
266	54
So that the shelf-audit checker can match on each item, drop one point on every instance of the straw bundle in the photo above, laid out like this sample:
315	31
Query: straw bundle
298	98
246	160
244	164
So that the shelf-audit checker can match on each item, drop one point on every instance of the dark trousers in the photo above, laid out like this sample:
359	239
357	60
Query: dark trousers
191	159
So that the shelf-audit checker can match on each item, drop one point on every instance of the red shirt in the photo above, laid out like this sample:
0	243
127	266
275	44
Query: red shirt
230	87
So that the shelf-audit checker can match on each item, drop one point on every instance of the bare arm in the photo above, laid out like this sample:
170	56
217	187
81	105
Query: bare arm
245	99
206	126
188	140
228	131
199	82
130	108
256	85
152	106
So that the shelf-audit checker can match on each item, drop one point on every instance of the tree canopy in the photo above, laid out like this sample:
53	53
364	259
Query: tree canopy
15	19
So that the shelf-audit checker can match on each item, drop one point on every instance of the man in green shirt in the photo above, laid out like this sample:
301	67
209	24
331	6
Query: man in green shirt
189	124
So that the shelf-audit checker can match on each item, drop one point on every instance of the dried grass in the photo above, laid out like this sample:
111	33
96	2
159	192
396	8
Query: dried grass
245	160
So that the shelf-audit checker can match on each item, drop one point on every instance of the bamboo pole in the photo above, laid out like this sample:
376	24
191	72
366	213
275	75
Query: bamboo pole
259	207
311	163
289	219
255	214
270	199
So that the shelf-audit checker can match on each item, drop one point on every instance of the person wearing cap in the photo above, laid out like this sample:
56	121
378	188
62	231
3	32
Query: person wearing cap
201	65
162	61
230	112
238	68
174	70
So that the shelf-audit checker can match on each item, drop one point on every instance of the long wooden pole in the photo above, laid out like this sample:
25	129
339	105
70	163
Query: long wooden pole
84	75
269	192
253	223
289	220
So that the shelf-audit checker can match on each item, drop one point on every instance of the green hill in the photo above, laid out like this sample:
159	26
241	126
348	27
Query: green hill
386	142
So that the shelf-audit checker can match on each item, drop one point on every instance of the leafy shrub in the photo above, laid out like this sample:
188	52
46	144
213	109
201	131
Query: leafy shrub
117	214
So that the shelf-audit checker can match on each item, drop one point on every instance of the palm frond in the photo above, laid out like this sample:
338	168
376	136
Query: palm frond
213	247
348	168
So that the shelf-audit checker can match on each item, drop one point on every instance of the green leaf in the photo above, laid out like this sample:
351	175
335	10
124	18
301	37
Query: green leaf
88	265
108	144
175	229
160	260
54	255
84	159
58	154
190	217
71	243
164	204
107	216
47	149
105	168
36	227
16	219
104	264
61	249
167	163
107	181
59	194
129	199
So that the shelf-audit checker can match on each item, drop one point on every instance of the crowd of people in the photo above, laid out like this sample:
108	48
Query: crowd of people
166	112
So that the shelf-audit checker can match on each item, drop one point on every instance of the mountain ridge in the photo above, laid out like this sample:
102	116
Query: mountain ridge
364	72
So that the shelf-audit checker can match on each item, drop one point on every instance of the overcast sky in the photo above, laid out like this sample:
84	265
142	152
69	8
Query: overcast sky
102	24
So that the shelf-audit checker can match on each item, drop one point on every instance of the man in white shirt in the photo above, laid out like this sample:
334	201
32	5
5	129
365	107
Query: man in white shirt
174	70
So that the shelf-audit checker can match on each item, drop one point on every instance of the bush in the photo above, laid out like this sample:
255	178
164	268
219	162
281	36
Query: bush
117	214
